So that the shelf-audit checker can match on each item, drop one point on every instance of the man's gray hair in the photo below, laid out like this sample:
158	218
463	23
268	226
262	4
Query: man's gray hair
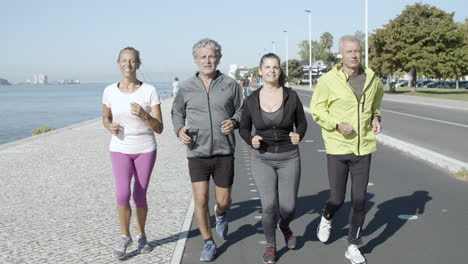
348	38
209	44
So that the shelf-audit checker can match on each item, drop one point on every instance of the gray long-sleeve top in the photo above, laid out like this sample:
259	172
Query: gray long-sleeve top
194	106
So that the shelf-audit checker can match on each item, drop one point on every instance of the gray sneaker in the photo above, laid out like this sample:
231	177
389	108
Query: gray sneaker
121	247
143	246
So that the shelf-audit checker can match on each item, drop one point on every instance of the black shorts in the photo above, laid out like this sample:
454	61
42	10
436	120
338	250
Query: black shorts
221	167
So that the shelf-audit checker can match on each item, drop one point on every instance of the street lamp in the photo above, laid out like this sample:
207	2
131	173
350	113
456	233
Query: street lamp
310	48
287	63
274	46
367	40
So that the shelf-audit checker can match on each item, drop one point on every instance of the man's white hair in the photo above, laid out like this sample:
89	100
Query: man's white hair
209	44
348	38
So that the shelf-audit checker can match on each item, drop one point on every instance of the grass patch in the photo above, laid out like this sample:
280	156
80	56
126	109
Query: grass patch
452	94
462	175
42	130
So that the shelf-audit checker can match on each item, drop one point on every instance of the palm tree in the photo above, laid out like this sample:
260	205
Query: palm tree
327	41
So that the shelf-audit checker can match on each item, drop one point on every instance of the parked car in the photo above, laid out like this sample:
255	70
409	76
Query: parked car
448	84
463	84
402	83
422	83
433	84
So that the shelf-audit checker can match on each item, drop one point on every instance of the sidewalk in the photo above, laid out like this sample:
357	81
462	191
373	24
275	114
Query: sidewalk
58	198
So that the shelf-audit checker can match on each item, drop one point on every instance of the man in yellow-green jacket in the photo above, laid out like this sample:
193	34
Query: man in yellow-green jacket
346	104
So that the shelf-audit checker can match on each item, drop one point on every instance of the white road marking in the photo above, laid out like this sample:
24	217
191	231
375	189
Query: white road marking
255	198
427	118
258	217
253	190
310	140
321	150
408	217
252	184
263	242
370	184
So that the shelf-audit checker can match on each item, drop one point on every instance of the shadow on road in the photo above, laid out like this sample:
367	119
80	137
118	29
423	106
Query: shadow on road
387	215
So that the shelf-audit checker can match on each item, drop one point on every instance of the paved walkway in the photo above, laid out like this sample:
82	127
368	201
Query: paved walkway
57	197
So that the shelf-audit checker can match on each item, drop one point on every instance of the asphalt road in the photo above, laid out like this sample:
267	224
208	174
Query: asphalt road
438	129
401	186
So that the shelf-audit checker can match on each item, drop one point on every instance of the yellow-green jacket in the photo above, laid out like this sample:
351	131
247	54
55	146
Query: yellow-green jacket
334	102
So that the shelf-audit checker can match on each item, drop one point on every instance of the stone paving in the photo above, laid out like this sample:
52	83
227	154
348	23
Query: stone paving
57	202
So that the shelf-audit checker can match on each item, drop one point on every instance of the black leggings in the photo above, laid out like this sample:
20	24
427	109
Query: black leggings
339	166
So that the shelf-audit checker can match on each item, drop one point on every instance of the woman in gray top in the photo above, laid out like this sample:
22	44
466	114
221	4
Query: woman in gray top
278	117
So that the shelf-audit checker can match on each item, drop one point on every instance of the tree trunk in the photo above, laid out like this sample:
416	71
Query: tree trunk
391	88
412	81
457	82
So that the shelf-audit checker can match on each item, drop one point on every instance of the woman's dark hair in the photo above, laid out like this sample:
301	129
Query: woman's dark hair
282	78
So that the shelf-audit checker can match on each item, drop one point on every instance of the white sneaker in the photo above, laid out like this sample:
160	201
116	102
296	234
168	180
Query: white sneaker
355	255
323	230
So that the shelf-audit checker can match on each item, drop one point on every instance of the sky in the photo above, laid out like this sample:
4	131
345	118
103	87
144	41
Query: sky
82	39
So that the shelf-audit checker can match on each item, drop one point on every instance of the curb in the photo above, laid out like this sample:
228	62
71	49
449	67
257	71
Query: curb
430	156
435	158
183	234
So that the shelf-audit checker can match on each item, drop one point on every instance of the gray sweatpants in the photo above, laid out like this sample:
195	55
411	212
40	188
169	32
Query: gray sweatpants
277	177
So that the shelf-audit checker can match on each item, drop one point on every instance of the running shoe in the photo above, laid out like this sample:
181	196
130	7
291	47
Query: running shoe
221	224
121	247
289	237
209	251
323	230
143	246
270	255
354	255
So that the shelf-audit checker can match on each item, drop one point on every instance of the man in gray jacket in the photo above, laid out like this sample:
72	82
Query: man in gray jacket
205	112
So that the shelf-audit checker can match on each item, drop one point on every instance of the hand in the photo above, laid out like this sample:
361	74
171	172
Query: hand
376	125
183	137
345	128
295	138
256	141
114	128
227	126
137	110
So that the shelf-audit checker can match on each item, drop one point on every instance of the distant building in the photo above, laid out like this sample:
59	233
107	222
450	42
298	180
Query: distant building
243	71
71	81
318	69
4	82
40	78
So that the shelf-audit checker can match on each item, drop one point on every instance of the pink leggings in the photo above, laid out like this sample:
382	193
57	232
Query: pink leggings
124	167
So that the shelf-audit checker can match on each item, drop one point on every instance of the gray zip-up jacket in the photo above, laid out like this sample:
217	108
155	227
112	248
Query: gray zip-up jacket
204	111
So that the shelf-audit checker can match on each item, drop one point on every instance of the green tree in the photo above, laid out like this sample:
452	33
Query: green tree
296	70
421	39
460	64
326	40
381	56
318	52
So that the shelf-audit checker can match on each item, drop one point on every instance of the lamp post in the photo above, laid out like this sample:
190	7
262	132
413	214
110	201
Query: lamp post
287	57
274	46
367	40
310	48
